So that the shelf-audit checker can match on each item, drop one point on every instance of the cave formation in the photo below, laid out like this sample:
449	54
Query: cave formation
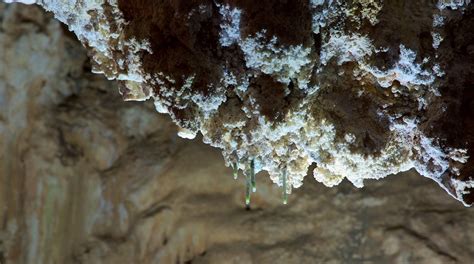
354	90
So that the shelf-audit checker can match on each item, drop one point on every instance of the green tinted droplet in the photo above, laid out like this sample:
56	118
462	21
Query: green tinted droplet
235	169
247	190
285	187
252	176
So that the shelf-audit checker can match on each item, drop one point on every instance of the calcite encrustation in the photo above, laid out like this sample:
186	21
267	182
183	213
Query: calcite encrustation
353	90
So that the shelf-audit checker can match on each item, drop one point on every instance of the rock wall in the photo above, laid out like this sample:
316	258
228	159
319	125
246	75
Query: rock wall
88	178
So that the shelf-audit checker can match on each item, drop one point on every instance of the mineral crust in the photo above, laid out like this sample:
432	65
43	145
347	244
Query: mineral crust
354	90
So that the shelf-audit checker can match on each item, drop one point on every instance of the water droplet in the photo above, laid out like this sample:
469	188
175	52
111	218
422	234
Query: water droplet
247	190
235	169
252	176
285	187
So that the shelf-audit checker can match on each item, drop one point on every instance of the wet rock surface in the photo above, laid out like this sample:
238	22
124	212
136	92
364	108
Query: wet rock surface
88	178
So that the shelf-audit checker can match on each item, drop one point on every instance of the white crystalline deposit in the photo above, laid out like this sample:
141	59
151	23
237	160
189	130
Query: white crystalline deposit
453	4
286	63
346	48
266	56
89	21
406	71
26	2
230	25
231	117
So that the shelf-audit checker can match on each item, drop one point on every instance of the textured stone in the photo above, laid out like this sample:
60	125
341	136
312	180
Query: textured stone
361	89
87	178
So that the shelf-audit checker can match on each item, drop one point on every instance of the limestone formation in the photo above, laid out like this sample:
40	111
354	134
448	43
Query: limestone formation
88	178
360	89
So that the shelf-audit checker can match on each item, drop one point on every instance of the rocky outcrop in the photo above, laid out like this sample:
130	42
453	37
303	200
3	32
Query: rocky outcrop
361	89
88	178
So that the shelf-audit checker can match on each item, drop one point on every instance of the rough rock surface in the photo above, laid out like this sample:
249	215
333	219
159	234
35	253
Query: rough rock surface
360	89
87	178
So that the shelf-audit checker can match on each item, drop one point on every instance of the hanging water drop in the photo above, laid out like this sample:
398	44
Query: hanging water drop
235	170
285	187
252	176
247	190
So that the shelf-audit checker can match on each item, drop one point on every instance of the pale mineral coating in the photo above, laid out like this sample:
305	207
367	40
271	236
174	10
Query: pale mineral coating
87	178
357	88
